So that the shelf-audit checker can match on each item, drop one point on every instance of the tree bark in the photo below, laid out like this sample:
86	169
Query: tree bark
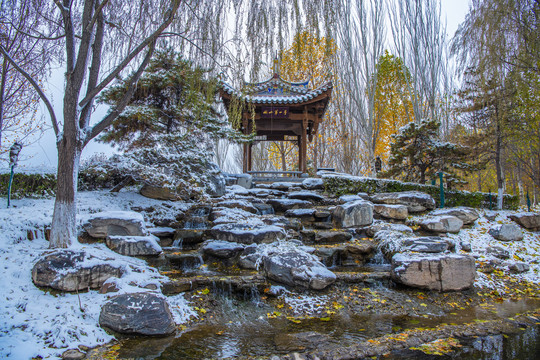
2	91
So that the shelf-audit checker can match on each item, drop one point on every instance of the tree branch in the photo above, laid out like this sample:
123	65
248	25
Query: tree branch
132	55
36	87
117	110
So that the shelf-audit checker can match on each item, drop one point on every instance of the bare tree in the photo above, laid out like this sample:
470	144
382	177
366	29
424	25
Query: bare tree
18	100
361	36
419	39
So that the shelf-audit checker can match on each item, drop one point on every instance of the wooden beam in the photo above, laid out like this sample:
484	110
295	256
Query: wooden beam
304	142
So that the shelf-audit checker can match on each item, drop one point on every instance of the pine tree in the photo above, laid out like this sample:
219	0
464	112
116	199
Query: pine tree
169	127
417	154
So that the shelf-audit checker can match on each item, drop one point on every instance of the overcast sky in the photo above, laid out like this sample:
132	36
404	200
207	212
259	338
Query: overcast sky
43	153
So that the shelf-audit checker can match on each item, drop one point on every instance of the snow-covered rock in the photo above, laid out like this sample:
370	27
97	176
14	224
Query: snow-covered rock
303	214
325	236
283	185
139	314
134	245
159	192
519	267
397	212
245	234
415	201
442	223
295	267
69	270
305	195
465	214
103	224
313	184
498	252
355	213
349	198
430	244
222	249
238	204
282	205
529	220
448	272
506	232
382	225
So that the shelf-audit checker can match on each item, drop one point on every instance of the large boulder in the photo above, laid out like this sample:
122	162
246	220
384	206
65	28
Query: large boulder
442	223
295	267
465	214
134	245
159	192
449	272
415	201
528	220
353	214
430	244
69	270
216	180
106	223
246	234
506	232
139	314
397	212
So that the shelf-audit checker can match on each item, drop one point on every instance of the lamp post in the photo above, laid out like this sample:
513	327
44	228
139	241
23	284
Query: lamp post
13	158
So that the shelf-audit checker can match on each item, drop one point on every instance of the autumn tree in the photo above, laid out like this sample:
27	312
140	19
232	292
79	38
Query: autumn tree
393	106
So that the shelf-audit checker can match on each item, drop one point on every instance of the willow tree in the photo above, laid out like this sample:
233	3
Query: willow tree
106	39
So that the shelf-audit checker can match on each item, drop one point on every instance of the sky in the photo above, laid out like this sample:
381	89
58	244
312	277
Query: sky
42	154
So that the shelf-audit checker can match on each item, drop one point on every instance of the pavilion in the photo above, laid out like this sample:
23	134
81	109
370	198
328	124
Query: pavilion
279	111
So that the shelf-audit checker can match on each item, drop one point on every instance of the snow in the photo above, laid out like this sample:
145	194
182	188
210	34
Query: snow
39	322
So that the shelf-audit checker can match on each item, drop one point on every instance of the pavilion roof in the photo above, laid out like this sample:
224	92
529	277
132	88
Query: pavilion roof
276	91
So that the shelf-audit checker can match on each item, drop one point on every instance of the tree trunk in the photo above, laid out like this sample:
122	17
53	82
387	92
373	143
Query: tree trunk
64	228
2	91
498	163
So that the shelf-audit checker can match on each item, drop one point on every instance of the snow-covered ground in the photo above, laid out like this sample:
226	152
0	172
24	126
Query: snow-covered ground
34	322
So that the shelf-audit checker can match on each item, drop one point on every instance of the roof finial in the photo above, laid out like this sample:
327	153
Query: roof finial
276	66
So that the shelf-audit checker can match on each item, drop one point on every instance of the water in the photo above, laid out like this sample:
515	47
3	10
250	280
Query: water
242	329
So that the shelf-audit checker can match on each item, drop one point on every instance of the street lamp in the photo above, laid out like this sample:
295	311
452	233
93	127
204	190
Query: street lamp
13	158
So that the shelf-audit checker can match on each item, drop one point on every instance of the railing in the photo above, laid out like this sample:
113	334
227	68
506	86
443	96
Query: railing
294	174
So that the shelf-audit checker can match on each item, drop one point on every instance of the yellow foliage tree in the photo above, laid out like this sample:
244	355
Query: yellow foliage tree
393	103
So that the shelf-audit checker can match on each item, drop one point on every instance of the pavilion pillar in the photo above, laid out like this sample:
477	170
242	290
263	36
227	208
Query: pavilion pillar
303	143
246	153
249	156
299	143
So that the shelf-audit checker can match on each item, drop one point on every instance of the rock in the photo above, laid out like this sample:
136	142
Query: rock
415	201
364	196
249	258
287	342
238	204
162	232
139	314
432	244
305	195
519	268
528	220
222	249
465	246
465	214
264	209
301	213
506	232
498	252
295	267
353	214
324	236
109	286
134	245
313	184
380	225
397	212
361	247
189	236
187	260
449	272
69	270
282	205
245	234
159	193
322	215
348	198
443	223
283	185
491	215
126	223
73	354
216	180
244	180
